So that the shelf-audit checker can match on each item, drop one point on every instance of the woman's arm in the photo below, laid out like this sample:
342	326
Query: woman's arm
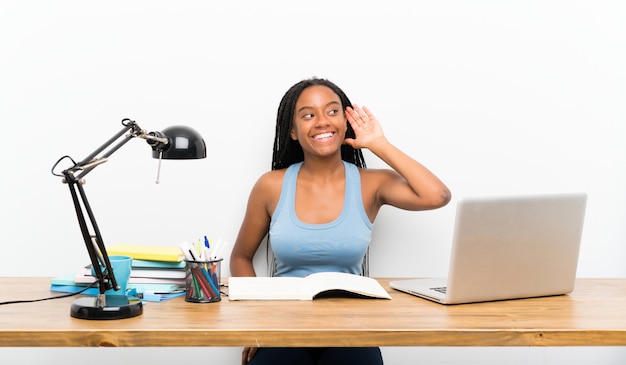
410	186
254	227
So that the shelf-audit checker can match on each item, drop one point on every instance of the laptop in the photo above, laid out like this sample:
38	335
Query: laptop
509	248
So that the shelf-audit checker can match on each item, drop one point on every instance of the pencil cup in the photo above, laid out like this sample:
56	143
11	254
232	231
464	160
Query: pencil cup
202	281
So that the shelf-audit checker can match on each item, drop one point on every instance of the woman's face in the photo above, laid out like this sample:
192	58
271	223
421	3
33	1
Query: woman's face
319	121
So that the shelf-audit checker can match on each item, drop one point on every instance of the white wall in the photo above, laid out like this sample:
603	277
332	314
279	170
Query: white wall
495	97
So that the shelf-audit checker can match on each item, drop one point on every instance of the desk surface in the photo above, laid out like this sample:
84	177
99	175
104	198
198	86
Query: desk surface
594	314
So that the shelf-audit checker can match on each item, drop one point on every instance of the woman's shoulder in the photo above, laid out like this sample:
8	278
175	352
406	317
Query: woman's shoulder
270	180
266	191
273	175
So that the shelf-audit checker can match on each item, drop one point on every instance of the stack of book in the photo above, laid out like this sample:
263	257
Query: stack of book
158	273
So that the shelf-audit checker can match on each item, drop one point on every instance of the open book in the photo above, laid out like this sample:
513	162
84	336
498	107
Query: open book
307	288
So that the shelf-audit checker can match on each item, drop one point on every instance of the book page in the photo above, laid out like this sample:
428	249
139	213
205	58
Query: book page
363	285
267	288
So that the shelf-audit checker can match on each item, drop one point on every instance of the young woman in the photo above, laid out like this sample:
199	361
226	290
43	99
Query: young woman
319	202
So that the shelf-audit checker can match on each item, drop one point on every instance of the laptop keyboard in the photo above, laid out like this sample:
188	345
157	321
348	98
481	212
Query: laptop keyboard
440	289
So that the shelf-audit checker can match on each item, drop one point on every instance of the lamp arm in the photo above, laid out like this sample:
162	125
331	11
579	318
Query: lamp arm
154	139
128	125
93	242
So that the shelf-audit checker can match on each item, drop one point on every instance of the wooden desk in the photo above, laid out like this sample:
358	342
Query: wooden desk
593	315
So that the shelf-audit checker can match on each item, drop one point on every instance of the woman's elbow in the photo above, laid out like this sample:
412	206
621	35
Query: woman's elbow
445	197
438	199
241	266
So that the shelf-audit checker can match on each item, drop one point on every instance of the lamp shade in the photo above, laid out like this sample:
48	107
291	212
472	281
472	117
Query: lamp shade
183	143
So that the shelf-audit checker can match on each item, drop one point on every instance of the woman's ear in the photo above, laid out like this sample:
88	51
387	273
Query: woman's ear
292	134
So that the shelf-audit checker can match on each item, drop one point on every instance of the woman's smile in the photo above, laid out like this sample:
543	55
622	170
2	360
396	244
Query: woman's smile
324	137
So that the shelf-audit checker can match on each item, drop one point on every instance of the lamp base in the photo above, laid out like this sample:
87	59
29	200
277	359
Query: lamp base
116	307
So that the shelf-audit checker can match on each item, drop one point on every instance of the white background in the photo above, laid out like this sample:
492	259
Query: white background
494	97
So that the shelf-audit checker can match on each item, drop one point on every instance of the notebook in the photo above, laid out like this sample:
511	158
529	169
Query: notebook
509	248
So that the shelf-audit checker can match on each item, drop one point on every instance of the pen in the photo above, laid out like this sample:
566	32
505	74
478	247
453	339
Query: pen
212	284
214	274
204	284
193	256
185	248
199	292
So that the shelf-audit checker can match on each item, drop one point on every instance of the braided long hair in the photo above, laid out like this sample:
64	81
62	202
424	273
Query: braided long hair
286	150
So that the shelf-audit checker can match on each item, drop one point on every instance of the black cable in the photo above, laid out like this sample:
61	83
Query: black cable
57	163
50	298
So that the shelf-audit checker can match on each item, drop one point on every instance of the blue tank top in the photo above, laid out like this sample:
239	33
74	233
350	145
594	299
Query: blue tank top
301	249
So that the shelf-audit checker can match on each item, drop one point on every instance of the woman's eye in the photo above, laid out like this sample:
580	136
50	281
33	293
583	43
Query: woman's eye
333	112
